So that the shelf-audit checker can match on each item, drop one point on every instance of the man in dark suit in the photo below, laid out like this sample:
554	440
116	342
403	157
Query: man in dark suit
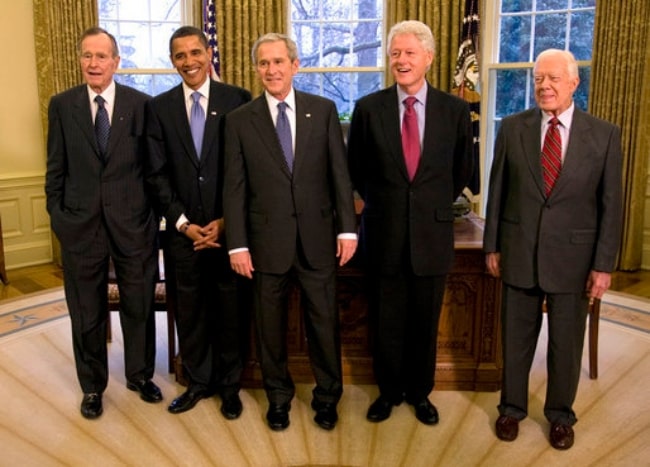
551	238
186	179
99	210
289	213
410	155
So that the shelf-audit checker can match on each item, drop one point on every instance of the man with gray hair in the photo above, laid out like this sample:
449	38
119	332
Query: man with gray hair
289	214
410	156
552	233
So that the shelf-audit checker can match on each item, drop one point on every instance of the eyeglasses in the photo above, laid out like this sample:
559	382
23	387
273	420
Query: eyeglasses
99	57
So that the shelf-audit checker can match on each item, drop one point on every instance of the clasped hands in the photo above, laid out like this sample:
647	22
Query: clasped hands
206	236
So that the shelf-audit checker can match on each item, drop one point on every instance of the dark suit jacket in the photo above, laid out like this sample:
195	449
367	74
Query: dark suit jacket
268	210
402	216
182	183
81	189
553	243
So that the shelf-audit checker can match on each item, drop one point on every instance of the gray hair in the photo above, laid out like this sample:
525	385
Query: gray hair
96	31
569	59
275	37
420	30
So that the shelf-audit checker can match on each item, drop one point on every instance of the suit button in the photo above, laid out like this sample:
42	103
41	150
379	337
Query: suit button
201	179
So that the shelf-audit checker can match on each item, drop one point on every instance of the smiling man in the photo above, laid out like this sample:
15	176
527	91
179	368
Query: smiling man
290	214
552	231
410	156
99	211
185	141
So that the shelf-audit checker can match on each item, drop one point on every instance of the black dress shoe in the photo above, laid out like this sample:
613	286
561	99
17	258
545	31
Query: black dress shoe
231	406
507	428
379	410
278	416
426	412
326	416
91	405
149	392
561	436
186	401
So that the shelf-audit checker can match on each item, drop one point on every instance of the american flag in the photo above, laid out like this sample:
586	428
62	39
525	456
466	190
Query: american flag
466	80
210	28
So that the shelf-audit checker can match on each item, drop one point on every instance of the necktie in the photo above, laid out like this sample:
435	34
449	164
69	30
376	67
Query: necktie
102	126
551	155
410	137
284	134
197	122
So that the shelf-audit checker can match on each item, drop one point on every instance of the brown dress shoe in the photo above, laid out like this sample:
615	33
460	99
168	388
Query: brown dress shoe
561	436
507	428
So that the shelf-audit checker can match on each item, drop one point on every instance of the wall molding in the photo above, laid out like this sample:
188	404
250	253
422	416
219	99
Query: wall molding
25	221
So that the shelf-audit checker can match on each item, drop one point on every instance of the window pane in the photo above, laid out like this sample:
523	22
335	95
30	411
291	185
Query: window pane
512	6
367	9
584	3
581	96
305	9
515	39
150	84
336	45
550	32
582	34
552	5
511	92
128	9
165	10
343	88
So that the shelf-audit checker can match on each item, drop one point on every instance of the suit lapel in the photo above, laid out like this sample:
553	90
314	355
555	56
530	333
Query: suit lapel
178	112
121	116
303	131
531	142
84	118
576	155
211	119
263	123
389	116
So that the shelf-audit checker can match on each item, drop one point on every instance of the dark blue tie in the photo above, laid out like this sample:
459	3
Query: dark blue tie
102	126
197	122
284	134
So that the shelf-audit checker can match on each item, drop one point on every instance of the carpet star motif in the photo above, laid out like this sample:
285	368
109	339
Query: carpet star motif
22	320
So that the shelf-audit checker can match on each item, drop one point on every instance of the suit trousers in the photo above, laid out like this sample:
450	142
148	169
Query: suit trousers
521	317
208	317
405	312
86	290
321	317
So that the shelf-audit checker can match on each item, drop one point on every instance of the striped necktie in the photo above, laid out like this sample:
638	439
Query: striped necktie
410	137
102	126
551	155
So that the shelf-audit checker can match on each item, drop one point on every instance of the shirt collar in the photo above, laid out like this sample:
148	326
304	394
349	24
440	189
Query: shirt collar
108	94
421	95
204	90
565	117
290	100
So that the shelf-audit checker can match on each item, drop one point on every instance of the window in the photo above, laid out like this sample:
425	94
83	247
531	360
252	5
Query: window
142	30
340	48
522	29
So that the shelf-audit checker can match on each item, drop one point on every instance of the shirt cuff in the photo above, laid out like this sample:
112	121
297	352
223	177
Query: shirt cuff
236	250
181	220
347	236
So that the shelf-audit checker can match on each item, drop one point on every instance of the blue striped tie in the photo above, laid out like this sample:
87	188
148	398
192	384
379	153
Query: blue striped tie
284	134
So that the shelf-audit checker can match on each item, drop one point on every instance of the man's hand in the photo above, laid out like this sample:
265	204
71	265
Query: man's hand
598	283
242	264
345	249
493	263
205	237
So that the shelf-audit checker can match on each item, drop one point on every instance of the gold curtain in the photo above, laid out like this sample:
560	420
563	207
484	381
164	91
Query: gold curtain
57	28
445	20
239	24
620	93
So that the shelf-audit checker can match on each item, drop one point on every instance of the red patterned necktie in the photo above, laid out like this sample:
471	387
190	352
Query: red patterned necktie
410	137
551	155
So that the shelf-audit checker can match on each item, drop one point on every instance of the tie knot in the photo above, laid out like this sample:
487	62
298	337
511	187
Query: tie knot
196	97
410	101
554	121
282	107
100	101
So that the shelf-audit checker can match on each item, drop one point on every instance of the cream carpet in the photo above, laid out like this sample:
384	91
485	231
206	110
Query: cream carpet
40	424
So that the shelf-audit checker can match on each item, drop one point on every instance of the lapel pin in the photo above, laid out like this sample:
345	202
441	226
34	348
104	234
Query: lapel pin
213	112
308	115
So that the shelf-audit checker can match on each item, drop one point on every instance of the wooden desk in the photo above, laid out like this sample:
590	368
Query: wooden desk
469	343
